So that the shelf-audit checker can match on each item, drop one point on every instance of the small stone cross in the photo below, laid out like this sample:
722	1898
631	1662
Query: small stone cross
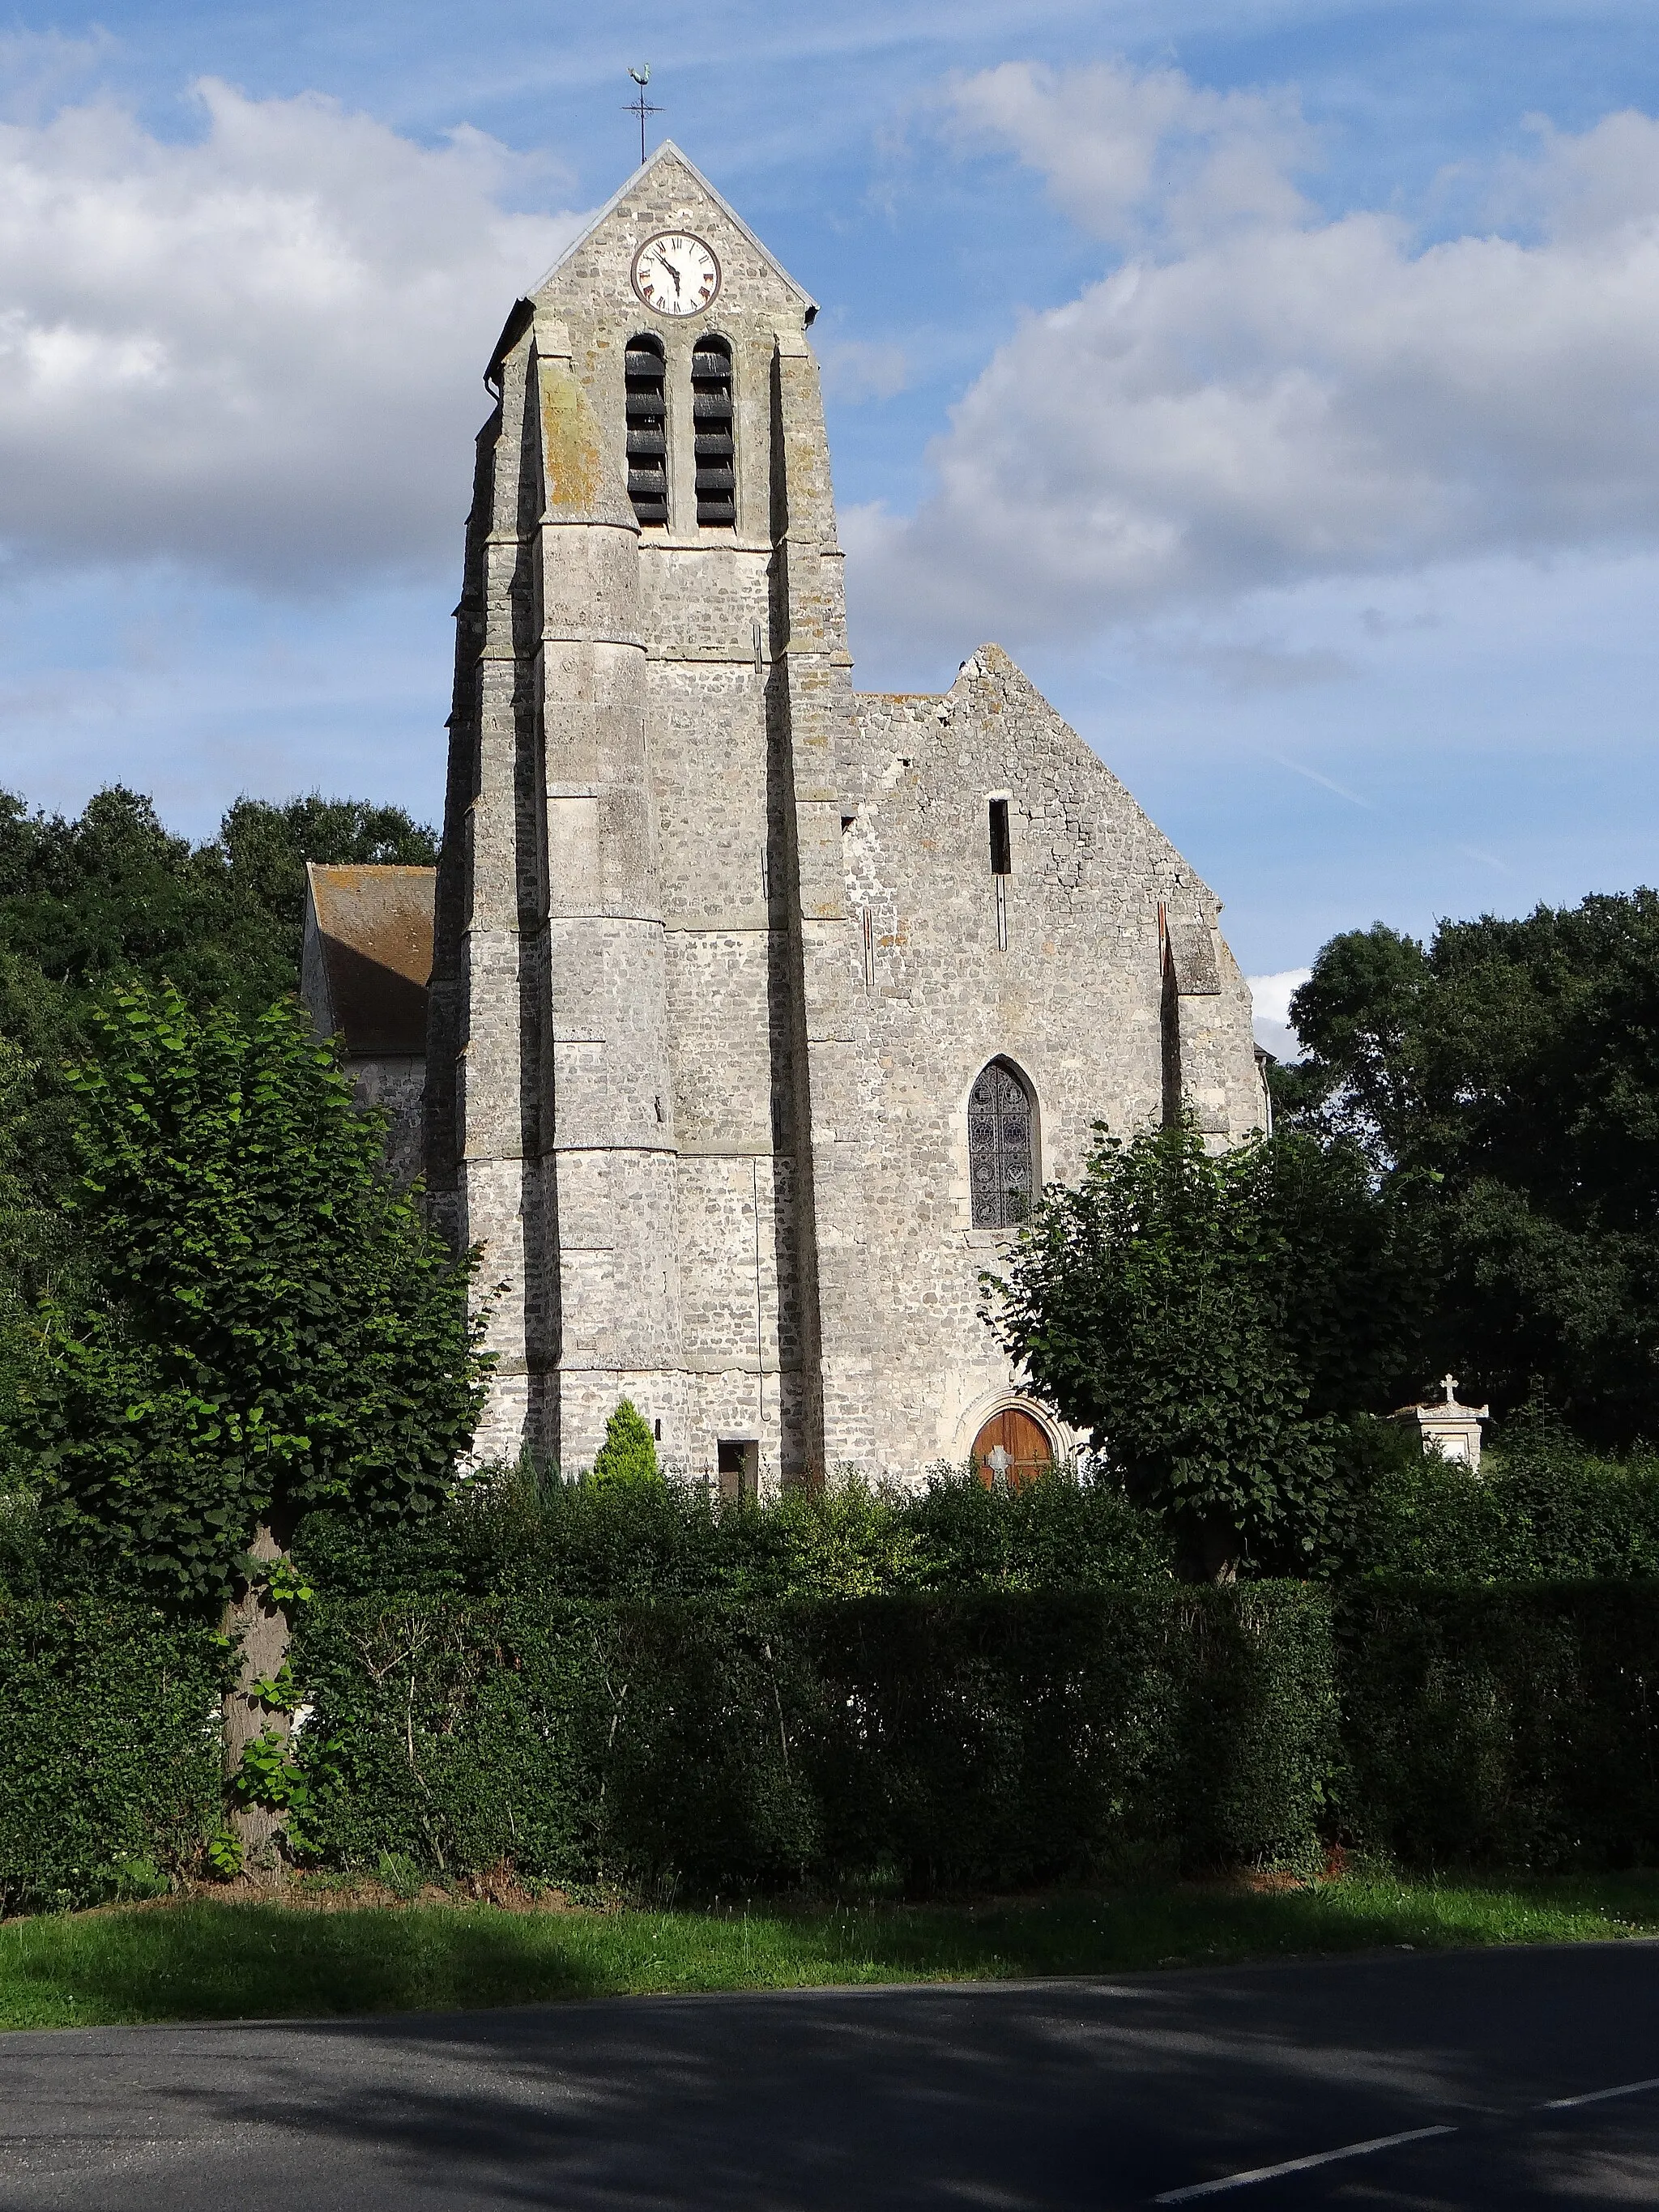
1449	1384
999	1460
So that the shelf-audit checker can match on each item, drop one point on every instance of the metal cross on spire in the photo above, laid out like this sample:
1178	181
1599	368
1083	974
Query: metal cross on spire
640	105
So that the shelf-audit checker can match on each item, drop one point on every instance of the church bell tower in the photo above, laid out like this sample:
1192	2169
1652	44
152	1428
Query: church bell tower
641	1096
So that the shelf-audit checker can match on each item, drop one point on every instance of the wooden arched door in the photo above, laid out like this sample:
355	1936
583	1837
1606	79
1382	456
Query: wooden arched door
1022	1441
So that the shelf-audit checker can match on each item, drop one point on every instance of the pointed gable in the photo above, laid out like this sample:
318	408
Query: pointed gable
668	191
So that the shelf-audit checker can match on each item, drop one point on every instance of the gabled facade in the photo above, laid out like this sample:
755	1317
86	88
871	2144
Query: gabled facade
748	992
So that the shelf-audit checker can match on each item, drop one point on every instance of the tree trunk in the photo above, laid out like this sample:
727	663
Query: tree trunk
262	1630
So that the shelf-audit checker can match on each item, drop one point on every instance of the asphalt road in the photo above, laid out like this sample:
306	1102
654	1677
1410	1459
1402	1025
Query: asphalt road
1037	2094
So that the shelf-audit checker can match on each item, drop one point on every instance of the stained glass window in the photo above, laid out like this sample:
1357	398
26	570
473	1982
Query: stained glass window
999	1147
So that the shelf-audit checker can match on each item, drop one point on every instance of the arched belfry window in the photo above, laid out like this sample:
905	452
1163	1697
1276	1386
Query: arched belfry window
647	429
711	433
1001	1147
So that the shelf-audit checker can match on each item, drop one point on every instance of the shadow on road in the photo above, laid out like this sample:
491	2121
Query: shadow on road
1035	2095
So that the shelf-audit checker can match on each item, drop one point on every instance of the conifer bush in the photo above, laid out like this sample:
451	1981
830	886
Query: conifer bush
628	1455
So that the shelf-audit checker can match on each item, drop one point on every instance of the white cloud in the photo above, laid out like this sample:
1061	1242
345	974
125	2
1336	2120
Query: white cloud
1270	1001
1129	152
1260	397
258	353
856	369
40	70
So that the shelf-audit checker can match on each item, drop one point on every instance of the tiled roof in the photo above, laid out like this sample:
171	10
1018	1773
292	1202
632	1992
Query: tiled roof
374	927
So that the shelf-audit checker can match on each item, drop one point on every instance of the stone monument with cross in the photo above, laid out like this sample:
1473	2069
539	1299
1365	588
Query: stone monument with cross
1448	1427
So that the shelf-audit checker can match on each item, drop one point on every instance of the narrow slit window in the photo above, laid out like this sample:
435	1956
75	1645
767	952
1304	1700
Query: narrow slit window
1170	1025
1001	1147
647	429
1001	851
712	434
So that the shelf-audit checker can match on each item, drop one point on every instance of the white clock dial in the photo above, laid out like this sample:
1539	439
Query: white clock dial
677	274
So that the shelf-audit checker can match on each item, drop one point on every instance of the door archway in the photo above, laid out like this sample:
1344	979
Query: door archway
1012	1449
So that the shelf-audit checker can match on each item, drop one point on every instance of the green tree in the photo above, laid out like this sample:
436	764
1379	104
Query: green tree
263	1325
39	1255
1503	1081
267	1324
111	896
263	848
628	1453
1206	1318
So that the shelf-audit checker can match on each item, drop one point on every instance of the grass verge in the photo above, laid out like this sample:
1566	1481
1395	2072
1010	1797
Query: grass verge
208	1961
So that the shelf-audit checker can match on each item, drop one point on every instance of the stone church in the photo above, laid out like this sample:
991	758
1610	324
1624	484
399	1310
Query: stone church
761	1008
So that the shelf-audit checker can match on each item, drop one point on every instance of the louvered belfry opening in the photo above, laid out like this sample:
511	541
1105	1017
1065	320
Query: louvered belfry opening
711	428
647	430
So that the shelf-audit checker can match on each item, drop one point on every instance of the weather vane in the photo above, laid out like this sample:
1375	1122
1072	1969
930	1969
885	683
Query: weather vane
640	105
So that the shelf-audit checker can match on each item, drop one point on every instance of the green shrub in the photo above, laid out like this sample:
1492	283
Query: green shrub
1514	1726
110	1758
627	1456
988	1738
509	1530
1542	1509
979	1736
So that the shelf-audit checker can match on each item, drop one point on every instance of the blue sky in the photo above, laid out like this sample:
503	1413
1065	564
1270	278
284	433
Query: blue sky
1274	382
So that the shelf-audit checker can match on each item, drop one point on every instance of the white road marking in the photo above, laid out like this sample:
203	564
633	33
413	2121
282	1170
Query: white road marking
1595	2097
1297	2166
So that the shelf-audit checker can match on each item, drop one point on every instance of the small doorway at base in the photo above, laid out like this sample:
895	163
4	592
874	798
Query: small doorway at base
737	1460
1012	1449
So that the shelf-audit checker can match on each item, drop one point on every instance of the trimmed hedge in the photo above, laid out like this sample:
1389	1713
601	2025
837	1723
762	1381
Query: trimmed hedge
992	1739
110	1760
509	1532
1514	1726
1544	1510
973	1739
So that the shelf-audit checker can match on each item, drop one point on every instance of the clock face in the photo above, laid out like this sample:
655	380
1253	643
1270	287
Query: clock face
677	274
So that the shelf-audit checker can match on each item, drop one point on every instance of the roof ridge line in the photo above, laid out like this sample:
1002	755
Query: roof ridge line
660	153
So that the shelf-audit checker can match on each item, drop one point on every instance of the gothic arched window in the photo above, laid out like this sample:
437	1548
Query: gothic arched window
711	434
1001	1147
647	429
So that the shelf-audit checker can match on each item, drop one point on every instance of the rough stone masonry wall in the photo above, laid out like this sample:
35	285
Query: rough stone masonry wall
717	1166
482	1102
724	903
398	1086
1074	1001
660	1215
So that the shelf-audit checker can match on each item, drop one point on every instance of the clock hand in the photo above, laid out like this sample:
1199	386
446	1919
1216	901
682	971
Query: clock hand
671	269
